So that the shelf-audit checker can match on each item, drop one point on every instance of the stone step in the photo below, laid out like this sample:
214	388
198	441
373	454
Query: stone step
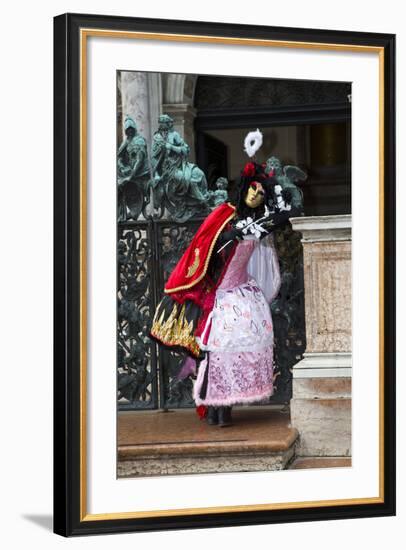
178	442
306	462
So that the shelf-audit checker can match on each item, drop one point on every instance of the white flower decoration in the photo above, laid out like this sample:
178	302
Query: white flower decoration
252	142
250	229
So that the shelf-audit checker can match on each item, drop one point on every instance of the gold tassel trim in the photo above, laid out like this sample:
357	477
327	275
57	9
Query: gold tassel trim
176	330
193	268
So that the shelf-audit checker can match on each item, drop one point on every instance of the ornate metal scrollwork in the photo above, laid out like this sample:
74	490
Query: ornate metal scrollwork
288	311
147	253
136	362
172	242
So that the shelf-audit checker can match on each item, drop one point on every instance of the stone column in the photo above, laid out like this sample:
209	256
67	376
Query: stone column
141	98
183	116
155	102
135	99
321	400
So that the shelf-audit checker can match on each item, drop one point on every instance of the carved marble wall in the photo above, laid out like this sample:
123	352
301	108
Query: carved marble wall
327	267
321	402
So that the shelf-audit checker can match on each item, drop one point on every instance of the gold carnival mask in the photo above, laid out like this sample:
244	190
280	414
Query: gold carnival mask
255	195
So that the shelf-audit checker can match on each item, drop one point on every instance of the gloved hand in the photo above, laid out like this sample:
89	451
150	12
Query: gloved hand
227	237
278	218
233	234
250	229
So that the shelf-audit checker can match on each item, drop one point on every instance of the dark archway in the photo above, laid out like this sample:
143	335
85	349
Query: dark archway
307	123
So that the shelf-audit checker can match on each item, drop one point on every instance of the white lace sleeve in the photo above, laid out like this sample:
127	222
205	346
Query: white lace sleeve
263	266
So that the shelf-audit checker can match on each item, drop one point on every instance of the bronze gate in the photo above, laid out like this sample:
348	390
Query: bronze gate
147	252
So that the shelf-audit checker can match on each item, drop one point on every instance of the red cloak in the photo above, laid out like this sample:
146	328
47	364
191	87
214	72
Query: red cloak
177	322
192	267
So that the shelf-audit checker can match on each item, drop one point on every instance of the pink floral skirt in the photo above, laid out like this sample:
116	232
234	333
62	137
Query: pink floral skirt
235	377
239	364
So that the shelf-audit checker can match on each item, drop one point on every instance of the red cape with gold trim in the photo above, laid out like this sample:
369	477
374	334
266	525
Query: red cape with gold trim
192	266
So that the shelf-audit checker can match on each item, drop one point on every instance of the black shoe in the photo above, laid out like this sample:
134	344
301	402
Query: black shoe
212	416
224	417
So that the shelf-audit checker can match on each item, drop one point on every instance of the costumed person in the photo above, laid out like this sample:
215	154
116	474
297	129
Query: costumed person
217	299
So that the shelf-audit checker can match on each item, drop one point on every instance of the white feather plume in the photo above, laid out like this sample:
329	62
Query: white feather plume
252	142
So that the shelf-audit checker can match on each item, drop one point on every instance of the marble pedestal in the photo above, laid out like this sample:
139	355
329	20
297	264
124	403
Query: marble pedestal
321	393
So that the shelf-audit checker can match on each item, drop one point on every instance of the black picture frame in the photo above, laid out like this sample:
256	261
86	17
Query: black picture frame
68	438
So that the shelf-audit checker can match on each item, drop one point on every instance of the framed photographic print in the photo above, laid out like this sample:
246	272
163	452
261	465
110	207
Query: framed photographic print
224	274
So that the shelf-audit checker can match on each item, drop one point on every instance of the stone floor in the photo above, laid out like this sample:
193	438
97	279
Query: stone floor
178	442
261	427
